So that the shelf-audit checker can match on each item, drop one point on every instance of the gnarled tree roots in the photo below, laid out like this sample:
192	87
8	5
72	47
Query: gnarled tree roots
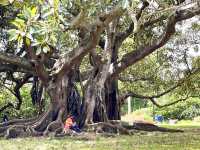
50	123
114	126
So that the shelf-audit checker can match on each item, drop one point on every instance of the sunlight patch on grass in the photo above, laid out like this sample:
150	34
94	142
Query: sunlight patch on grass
141	114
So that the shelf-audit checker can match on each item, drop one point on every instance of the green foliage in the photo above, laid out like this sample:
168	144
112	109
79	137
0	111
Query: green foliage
5	97
135	105
36	32
149	74
196	26
42	23
6	2
191	112
184	110
27	109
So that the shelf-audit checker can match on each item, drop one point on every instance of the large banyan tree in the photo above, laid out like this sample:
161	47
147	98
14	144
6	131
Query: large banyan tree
62	43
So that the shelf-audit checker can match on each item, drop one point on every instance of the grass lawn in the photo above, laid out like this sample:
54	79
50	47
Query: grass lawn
189	140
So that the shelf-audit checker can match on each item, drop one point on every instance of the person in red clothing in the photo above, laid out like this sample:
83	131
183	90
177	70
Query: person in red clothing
70	123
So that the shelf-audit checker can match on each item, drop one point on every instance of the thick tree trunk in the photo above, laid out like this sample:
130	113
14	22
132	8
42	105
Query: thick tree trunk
37	94
65	100
111	88
112	101
94	109
102	104
64	96
101	99
100	114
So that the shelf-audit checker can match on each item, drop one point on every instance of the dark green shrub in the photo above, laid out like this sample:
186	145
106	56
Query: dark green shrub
184	110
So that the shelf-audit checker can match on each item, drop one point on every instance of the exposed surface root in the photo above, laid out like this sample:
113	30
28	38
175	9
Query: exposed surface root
41	124
23	127
108	127
150	127
16	131
19	121
55	128
48	123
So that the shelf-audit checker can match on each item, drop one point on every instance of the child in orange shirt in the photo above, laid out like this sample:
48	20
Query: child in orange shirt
70	123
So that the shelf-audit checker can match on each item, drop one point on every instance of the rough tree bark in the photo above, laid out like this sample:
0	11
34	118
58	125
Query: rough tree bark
98	103
112	101
58	84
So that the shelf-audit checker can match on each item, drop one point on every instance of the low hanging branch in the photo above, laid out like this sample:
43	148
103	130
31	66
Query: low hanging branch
16	60
169	104
14	68
172	103
132	94
151	98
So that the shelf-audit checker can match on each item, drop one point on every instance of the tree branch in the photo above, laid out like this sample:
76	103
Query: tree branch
15	60
19	84
169	104
6	106
143	51
132	94
38	65
152	99
133	79
14	68
130	29
95	30
76	55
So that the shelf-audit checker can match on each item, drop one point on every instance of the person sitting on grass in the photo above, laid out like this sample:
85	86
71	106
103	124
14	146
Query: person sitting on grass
70	124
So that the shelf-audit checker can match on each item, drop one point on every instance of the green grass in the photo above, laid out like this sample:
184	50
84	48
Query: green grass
185	124
189	140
